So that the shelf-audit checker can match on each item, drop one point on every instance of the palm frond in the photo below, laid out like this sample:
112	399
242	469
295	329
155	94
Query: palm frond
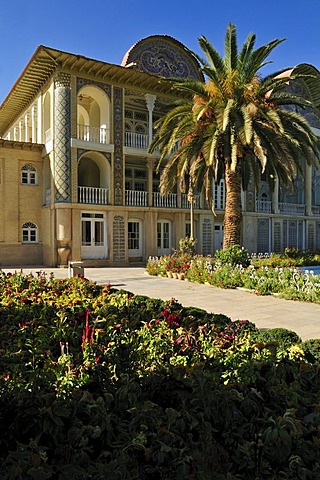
215	61
246	52
230	48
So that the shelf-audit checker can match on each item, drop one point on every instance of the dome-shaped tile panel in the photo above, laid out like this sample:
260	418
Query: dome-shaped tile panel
164	56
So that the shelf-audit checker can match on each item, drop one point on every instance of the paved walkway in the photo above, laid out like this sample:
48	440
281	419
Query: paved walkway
265	311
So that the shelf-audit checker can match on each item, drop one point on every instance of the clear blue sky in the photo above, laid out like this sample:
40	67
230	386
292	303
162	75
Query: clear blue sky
106	29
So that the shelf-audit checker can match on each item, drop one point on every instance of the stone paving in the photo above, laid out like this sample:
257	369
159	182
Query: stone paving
265	311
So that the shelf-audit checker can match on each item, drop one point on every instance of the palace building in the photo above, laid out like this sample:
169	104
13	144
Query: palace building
77	181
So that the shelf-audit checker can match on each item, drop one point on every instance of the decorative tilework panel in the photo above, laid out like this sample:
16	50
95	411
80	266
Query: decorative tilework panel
207	240
62	139
119	249
118	146
164	57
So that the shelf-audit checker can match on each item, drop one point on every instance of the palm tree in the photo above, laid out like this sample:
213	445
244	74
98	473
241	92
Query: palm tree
235	125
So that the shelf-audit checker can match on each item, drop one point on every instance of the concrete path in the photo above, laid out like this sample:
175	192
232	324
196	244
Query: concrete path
265	311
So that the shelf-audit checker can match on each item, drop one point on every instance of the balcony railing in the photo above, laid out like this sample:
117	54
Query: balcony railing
169	201
316	210
92	134
136	140
136	199
292	208
263	206
93	195
185	202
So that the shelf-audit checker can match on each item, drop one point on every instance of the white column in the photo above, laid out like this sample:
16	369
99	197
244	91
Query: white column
150	166
26	127
308	189
39	121
34	123
15	133
275	196
150	101
21	137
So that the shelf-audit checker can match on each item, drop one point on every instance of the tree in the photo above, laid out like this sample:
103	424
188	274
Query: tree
235	125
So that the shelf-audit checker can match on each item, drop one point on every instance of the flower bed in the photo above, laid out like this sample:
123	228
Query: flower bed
274	274
97	383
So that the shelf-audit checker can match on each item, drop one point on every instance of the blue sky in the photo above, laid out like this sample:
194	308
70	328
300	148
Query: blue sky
106	29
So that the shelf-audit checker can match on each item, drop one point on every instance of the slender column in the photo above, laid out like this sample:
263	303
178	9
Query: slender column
150	101
275	196
308	189
15	133
26	127
21	138
150	166
34	123
39	121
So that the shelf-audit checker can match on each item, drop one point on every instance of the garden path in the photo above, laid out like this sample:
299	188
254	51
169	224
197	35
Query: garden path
265	311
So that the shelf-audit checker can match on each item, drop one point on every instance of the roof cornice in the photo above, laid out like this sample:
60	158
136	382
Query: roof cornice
45	61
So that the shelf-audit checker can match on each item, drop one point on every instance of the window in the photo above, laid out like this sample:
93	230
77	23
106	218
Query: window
163	237
136	179
219	195
133	236
29	233
29	175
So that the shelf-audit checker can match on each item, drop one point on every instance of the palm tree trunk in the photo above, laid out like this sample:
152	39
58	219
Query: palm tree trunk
233	209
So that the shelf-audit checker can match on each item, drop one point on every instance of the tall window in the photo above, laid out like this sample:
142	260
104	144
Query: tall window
29	233
29	175
133	235
164	237
219	195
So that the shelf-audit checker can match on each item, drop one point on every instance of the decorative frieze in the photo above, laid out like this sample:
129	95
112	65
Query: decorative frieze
83	82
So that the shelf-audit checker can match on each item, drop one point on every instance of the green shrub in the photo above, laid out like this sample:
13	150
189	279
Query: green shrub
282	336
187	245
234	255
312	349
272	261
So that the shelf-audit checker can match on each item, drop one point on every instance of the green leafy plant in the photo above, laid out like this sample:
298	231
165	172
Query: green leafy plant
282	336
234	255
187	245
311	348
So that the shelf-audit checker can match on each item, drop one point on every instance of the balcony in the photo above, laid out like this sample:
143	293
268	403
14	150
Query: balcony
185	202
263	206
316	210
93	134
292	208
169	201
136	140
135	198
93	195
